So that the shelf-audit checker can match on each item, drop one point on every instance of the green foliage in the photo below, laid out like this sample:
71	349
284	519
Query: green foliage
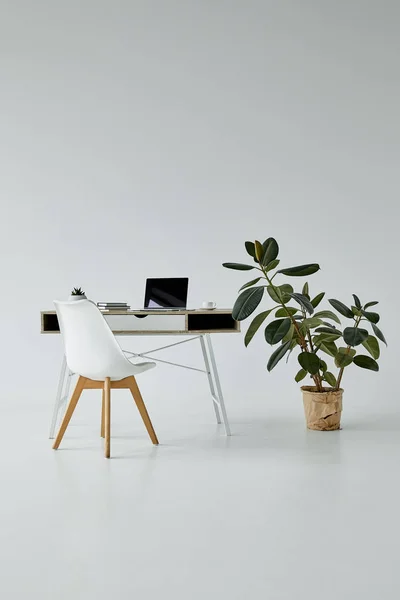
312	333
77	292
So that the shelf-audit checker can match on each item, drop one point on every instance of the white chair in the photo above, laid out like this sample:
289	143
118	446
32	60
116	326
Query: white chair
93	353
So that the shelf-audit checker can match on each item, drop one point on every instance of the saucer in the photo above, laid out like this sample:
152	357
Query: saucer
208	308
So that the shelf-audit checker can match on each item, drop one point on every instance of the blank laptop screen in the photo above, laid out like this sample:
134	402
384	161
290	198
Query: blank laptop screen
166	293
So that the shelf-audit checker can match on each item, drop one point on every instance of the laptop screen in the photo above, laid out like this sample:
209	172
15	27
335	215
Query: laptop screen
166	292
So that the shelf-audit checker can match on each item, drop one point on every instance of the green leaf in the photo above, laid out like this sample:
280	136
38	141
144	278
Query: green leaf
356	311
277	355
327	314
311	322
371	304
247	303
350	351
250	283
315	301
304	291
276	331
237	266
259	251
255	325
303	301
272	265
330	378
329	330
324	338
366	362
250	248
309	361
300	375
343	360
271	251
322	365
353	336
379	333
289	336
357	301
341	308
328	347
280	293
281	312
373	317
300	271
372	345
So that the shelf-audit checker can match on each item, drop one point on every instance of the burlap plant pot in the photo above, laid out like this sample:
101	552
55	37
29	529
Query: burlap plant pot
322	409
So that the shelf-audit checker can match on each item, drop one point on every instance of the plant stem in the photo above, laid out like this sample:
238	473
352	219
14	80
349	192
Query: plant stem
302	340
339	379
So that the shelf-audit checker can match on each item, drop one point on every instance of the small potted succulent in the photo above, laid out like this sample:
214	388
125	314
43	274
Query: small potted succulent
77	294
315	335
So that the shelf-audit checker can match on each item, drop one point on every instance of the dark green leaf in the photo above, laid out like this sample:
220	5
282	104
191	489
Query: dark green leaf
327	314
303	301
322	365
289	336
300	271
254	326
247	303
330	378
373	317
250	283
280	293
343	360
329	330
315	301
379	333
371	304
366	362
328	347
356	311
272	265
311	323
277	355
250	248
276	331
282	312
237	266
300	375
354	336
372	345
304	291
309	361
357	301
271	251
341	308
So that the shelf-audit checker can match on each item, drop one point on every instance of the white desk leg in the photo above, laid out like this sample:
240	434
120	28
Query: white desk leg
210	379
62	395
57	402
218	385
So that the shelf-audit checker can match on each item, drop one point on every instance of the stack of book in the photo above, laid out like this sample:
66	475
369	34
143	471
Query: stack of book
123	306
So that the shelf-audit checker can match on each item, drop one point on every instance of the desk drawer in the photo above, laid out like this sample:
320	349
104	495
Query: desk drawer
146	322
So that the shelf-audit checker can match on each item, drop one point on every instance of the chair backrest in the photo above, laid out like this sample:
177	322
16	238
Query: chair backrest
91	349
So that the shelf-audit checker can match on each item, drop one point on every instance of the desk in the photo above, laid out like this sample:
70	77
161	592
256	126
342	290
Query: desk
193	324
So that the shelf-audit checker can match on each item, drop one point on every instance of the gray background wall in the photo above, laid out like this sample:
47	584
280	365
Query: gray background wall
153	137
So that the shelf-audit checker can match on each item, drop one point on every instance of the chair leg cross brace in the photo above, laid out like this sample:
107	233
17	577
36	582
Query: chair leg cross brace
106	386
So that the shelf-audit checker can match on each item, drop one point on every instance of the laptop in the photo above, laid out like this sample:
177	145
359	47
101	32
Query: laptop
166	293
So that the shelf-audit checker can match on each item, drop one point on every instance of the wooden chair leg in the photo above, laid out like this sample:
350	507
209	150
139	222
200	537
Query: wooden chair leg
107	415
137	396
69	412
103	428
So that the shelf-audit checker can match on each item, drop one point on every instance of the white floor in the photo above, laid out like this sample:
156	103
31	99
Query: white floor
274	512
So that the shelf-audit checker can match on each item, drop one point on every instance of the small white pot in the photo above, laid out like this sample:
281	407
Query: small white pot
74	298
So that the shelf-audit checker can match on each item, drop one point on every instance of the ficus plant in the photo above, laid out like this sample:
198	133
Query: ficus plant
297	324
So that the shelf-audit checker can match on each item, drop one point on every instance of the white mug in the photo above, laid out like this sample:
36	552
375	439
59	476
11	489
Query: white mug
209	304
